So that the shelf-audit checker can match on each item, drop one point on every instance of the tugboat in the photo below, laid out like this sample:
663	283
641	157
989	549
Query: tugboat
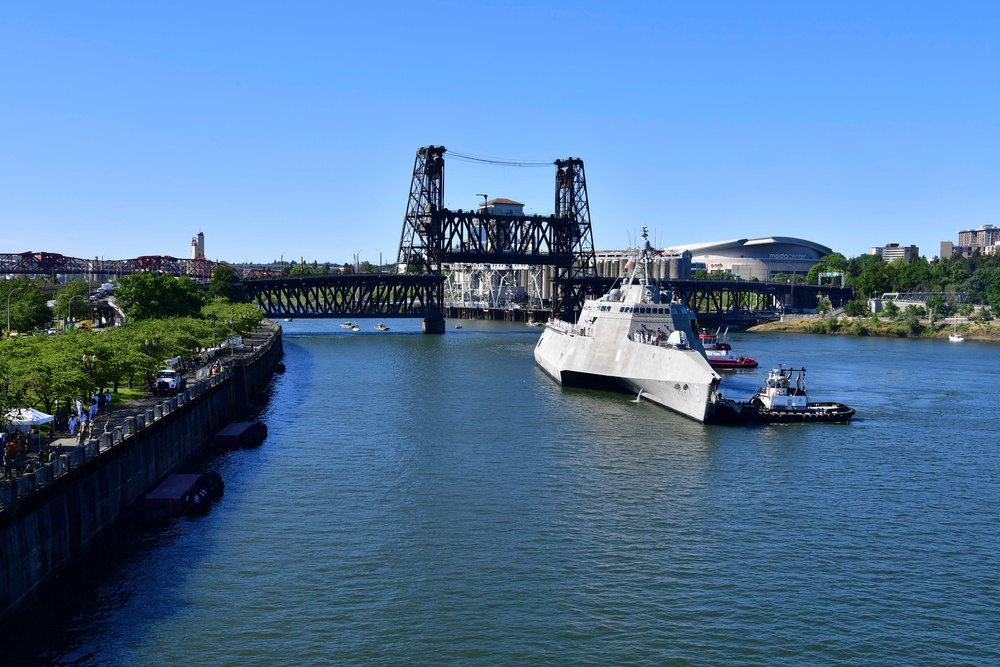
720	354
778	401
635	339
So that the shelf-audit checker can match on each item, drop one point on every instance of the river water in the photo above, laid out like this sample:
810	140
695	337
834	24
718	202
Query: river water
437	500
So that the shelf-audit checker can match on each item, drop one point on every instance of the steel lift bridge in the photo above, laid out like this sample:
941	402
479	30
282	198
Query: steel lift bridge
434	237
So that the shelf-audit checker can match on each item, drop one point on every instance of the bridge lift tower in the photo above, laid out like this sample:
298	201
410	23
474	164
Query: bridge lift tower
434	236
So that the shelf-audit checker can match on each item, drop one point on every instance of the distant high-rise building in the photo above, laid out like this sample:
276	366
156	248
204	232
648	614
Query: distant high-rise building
893	251
949	250
981	237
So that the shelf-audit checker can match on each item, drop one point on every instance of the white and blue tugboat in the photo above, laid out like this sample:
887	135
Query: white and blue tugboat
636	339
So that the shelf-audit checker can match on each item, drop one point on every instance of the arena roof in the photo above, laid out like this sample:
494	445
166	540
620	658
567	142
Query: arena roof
755	244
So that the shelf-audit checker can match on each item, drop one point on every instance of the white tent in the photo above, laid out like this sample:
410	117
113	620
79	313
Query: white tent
23	419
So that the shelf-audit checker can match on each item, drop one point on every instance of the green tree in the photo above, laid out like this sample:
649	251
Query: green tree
44	368
9	396
73	300
148	296
122	355
225	284
871	277
27	310
938	307
856	308
891	310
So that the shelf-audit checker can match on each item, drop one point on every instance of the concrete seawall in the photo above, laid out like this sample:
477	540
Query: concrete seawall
51	518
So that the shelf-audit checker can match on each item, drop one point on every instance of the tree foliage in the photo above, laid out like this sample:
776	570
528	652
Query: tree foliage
225	284
146	296
36	370
167	318
27	309
978	276
72	300
855	308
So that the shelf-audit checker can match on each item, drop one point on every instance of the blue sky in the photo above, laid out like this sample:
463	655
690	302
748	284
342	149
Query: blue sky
289	129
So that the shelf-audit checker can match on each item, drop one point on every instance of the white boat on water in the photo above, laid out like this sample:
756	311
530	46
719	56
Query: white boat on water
347	325
381	327
634	338
955	337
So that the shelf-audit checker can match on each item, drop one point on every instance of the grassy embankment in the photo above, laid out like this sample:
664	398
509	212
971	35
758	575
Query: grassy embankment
866	326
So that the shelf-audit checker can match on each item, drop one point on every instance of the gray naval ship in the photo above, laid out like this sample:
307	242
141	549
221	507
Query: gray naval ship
637	339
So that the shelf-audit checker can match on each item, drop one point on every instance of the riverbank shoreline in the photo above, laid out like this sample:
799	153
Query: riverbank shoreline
972	330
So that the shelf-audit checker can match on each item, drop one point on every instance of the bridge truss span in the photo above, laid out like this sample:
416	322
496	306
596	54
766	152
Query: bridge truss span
52	264
349	296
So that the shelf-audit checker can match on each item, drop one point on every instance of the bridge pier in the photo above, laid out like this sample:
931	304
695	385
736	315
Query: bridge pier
433	325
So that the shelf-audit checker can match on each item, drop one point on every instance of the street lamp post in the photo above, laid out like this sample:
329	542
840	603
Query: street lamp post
10	294
69	308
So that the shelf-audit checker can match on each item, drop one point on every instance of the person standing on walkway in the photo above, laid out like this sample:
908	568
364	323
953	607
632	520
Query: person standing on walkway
9	456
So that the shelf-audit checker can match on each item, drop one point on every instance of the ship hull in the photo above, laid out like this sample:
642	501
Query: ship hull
677	379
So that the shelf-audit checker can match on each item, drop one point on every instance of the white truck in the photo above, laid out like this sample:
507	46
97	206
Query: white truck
169	382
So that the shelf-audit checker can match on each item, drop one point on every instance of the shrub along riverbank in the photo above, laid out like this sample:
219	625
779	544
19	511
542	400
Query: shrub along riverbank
866	326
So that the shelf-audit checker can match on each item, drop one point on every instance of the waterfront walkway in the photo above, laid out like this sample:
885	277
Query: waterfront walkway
115	423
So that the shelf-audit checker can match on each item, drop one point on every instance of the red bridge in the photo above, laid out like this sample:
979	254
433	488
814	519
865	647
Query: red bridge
51	264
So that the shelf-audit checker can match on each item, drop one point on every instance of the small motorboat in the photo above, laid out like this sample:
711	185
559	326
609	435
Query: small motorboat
288	319
533	323
458	326
381	327
347	325
355	328
778	401
720	354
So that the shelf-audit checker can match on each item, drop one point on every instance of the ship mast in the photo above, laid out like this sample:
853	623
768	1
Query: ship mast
640	259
